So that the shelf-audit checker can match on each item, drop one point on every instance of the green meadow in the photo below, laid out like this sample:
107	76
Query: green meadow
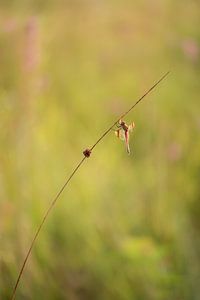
127	227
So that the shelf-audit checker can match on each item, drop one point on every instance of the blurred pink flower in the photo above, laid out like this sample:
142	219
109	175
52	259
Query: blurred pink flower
191	49
32	52
9	25
174	151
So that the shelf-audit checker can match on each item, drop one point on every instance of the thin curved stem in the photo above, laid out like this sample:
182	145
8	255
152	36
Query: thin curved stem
87	153
41	225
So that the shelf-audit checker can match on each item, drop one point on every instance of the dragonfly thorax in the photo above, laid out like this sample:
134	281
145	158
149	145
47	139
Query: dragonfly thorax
124	125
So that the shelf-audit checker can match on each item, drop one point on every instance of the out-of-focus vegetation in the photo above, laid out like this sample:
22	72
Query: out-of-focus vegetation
127	227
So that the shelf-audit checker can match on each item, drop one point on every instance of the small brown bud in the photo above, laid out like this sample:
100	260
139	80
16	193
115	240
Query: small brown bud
87	152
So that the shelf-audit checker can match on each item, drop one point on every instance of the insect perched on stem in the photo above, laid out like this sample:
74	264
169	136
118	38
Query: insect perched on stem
123	132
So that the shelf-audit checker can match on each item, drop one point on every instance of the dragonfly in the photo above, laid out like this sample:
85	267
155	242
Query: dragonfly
123	132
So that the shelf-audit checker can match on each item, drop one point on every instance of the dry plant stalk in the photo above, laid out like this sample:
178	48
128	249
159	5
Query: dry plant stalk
87	154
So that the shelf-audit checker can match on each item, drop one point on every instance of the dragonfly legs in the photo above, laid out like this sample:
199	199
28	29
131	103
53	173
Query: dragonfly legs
118	127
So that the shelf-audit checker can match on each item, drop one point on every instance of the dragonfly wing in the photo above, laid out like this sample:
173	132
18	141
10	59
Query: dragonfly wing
131	126
117	133
120	134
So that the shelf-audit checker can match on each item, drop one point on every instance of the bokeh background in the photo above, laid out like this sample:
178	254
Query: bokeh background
127	227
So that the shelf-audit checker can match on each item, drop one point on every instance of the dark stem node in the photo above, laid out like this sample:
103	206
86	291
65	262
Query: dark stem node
87	152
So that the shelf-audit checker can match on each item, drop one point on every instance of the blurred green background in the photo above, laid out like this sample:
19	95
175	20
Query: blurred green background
127	227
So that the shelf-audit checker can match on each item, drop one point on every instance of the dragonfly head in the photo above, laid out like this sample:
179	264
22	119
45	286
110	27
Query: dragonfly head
122	123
